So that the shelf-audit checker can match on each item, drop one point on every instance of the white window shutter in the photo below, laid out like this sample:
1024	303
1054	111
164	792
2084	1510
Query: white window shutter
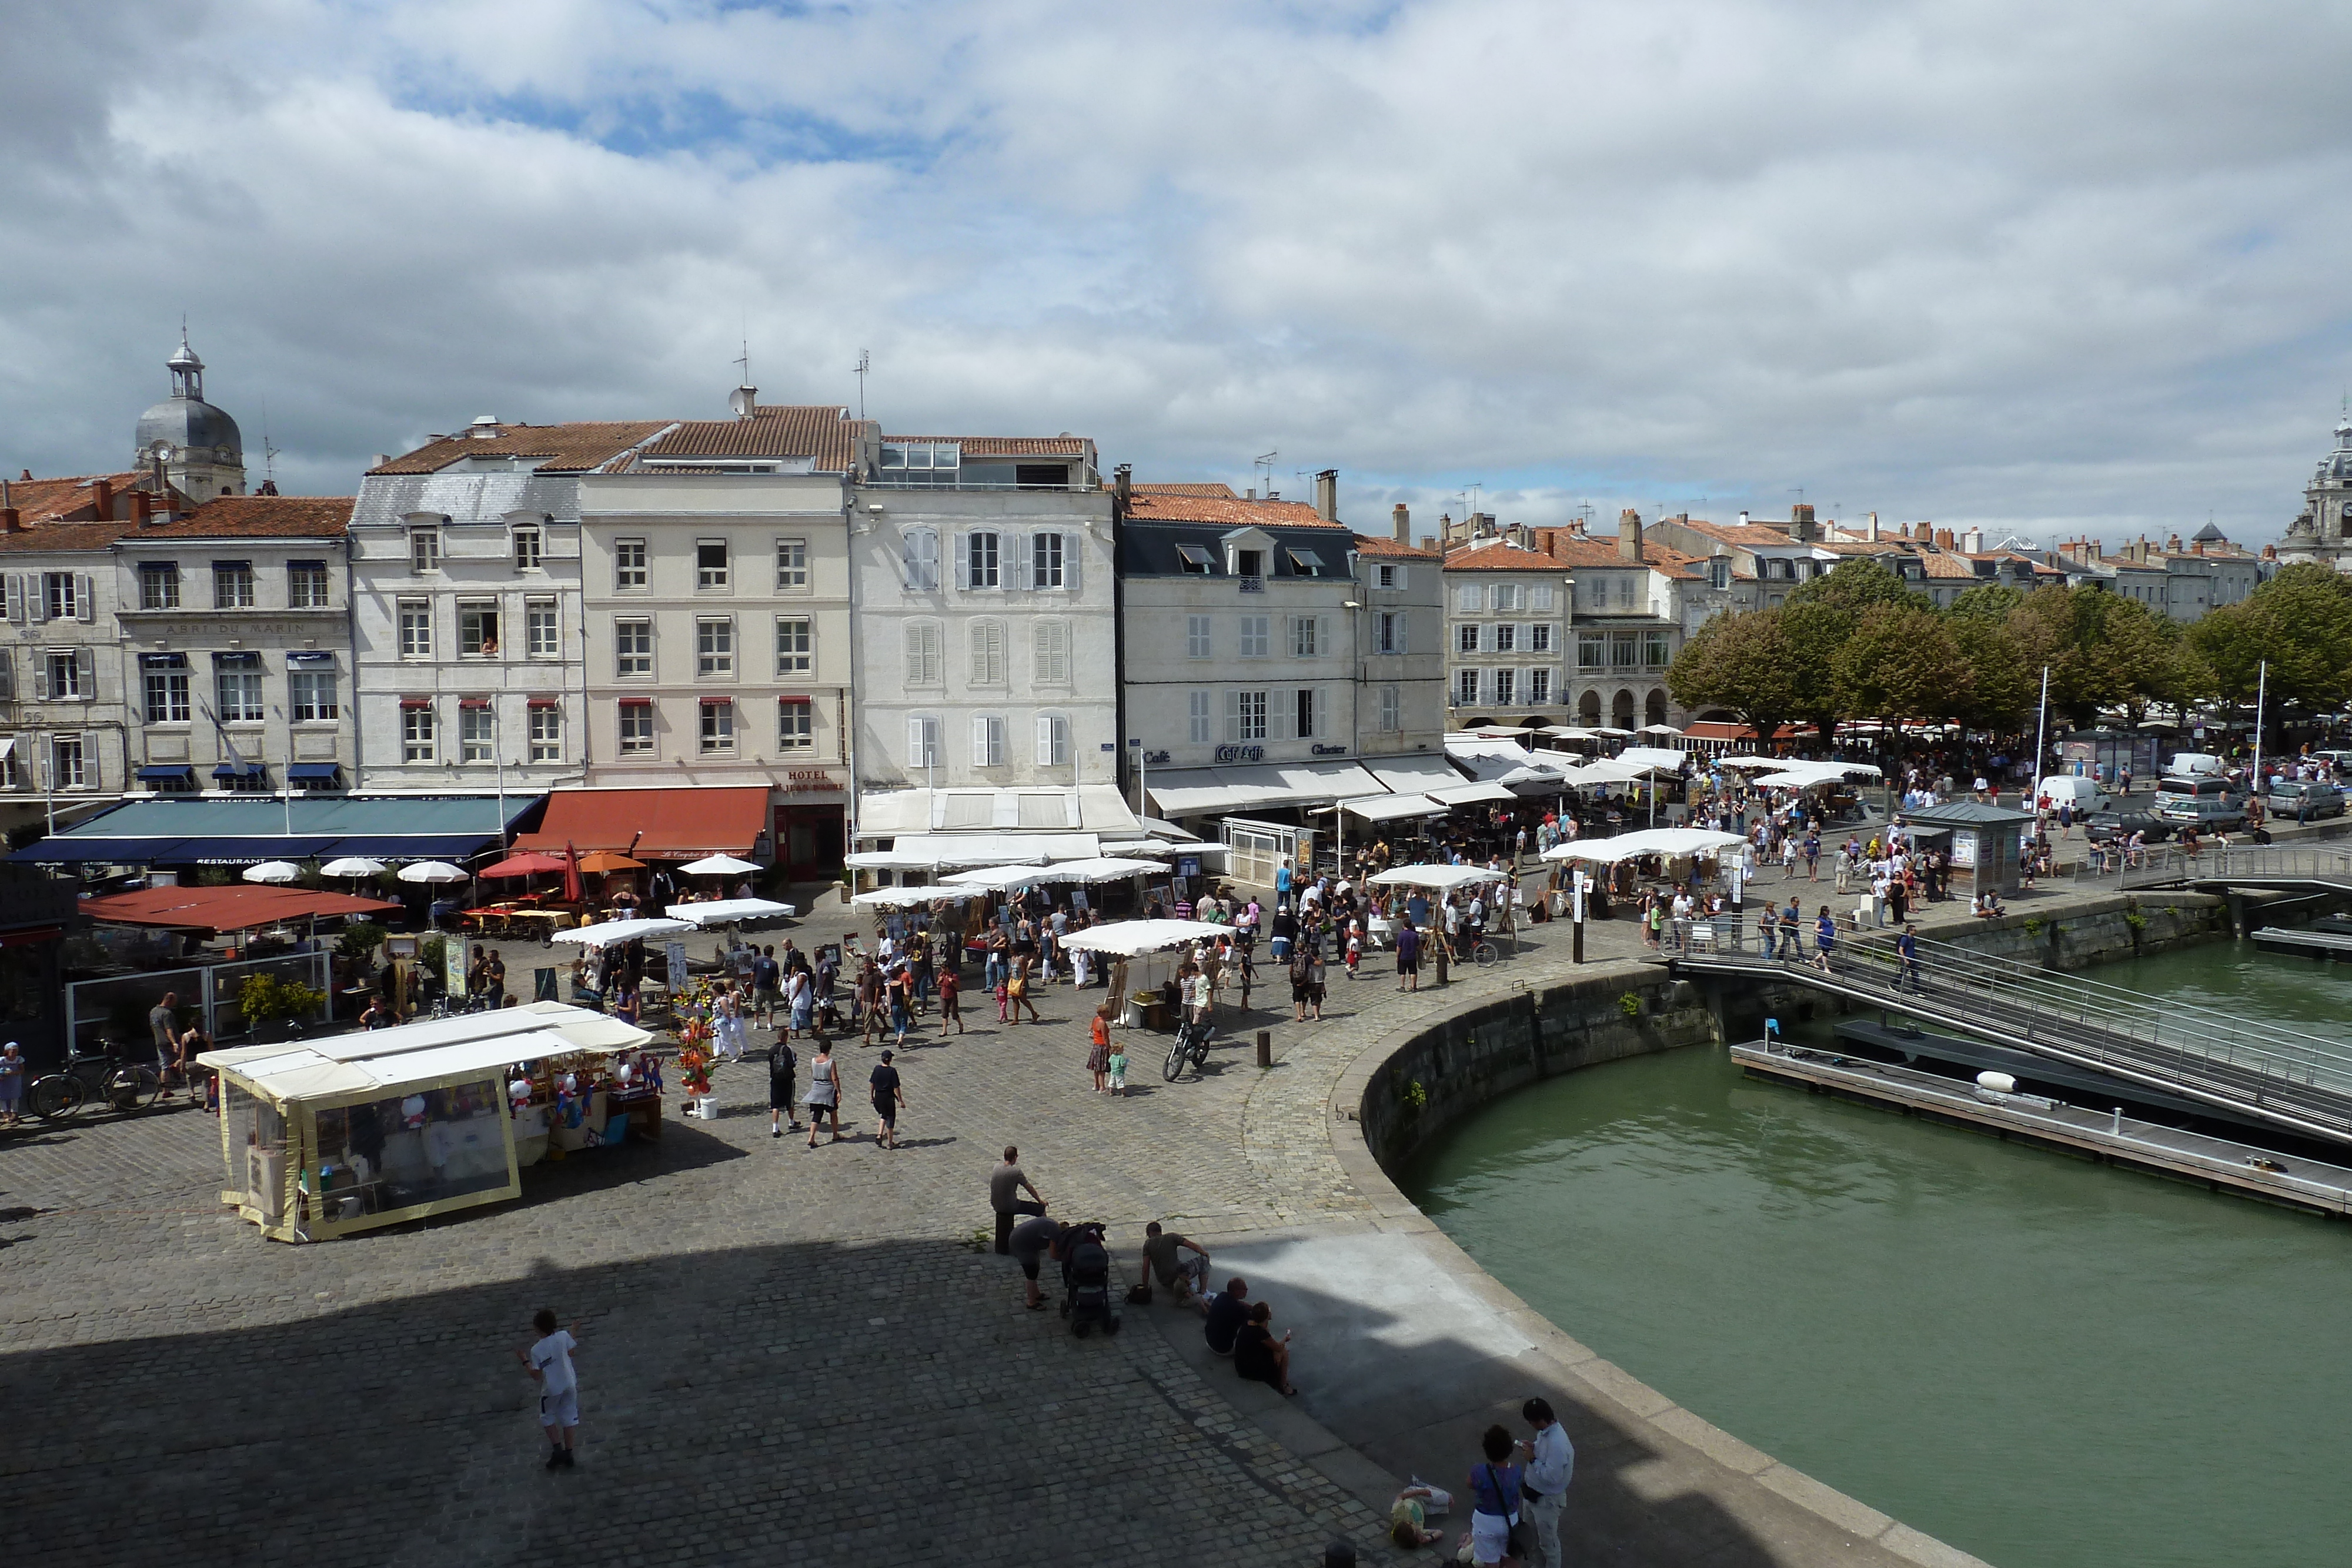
980	741
914	743
85	602
963	561
1232	716
1044	741
1543	596
1402	621
1074	546
40	679
1280	722
7	675
15	587
1322	711
1465	598
85	673
37	593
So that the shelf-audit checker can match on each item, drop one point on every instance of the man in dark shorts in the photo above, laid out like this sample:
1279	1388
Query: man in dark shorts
888	1098
1031	1239
1005	1184
783	1065
1228	1310
1408	941
1164	1253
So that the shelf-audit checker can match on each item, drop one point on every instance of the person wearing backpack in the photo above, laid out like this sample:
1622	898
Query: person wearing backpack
1302	975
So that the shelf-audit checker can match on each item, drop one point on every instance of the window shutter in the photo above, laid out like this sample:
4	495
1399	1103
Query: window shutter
914	743
1232	716
1323	637
963	561
980	741
40	679
1044	741
1467	598
37	593
7	675
1402	621
85	673
1543	596
13	586
85	606
1280	723
1322	711
1072	546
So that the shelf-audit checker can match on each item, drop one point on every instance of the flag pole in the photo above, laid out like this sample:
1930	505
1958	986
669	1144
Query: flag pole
2041	734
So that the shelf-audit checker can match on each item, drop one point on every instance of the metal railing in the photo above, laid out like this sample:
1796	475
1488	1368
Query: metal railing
117	1005
2267	1066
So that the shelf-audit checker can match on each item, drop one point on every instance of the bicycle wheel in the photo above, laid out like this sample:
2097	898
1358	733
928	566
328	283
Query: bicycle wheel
1173	1067
58	1094
1201	1049
1485	954
134	1088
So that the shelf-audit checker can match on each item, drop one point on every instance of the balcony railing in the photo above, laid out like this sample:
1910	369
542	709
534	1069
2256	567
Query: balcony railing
1252	584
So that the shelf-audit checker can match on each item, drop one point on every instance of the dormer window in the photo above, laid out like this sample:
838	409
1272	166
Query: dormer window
424	549
1306	563
1193	559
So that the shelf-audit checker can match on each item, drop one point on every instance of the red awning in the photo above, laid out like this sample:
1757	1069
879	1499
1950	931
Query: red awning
542	702
664	824
224	908
531	865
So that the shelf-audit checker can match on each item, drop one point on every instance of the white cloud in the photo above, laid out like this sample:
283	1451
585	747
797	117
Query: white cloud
1972	262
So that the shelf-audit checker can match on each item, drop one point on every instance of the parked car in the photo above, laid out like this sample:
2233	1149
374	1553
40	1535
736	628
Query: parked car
2193	765
2297	800
2209	800
2108	827
2084	794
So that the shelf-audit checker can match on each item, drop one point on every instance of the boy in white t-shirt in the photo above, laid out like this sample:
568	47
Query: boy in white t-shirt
548	1362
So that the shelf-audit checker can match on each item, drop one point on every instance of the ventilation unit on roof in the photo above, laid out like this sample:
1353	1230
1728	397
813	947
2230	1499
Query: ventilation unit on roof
485	427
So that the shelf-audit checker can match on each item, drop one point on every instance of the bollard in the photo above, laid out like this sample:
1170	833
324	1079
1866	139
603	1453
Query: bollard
1265	1049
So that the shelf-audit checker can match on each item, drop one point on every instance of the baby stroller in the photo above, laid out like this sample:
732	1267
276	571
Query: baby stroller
1086	1279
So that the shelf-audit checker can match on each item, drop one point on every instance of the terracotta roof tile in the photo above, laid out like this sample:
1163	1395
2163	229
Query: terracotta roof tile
1499	554
1374	544
1224	490
822	432
72	498
554	448
60	538
1011	445
1154	504
1939	564
255	517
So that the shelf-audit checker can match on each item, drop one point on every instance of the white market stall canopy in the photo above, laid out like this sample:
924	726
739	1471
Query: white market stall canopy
1470	794
1108	869
1414	774
1745	762
1667	842
916	897
943	851
1800	775
1163	848
1445	878
438	1051
1133	938
979	810
729	912
998	878
622	931
1394	808
718	865
1216	792
1606	771
1664	759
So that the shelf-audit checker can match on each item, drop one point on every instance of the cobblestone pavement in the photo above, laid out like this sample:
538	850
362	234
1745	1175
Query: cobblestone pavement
791	1353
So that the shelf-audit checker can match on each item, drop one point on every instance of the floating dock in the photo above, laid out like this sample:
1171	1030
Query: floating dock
2219	1163
2334	945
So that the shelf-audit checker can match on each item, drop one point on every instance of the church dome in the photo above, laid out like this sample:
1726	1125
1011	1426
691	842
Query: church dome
2338	464
193	428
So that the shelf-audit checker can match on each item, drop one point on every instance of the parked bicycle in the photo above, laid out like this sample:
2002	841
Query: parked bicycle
102	1076
1192	1044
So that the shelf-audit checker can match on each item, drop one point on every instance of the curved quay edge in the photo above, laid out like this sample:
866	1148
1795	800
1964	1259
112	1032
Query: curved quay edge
1678	1478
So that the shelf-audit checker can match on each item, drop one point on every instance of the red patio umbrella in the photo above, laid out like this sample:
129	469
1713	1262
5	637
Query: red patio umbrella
572	892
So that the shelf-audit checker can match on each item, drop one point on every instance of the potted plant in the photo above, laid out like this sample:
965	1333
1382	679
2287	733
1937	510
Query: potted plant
274	1007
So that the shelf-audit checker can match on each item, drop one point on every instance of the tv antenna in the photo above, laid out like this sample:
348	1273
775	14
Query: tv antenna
1265	463
743	364
865	364
268	451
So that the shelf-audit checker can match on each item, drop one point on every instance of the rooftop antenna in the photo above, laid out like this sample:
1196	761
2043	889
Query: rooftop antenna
742	362
1266	462
269	452
865	364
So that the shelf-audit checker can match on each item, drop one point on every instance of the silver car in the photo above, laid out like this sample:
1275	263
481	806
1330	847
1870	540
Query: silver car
2298	801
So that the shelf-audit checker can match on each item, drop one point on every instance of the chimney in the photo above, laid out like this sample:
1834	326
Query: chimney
382	459
101	496
1429	542
1972	541
1250	494
1327	495
1400	523
1629	535
142	507
1547	540
485	427
1801	527
1943	538
741	401
1125	475
11	521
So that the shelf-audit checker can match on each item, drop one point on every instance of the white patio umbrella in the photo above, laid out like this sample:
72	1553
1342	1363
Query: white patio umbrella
432	871
622	931
273	871
352	865
717	866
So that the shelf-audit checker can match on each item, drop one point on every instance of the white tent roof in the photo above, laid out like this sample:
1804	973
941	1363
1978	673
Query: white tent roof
1130	938
1444	877
1663	757
1669	841
428	1052
1413	775
1606	771
1393	808
910	898
1109	867
1816	772
1204	791
998	877
727	910
717	866
622	930
1470	794
936	851
1744	761
980	808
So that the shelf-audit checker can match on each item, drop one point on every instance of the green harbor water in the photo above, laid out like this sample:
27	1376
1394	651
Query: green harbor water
2044	1362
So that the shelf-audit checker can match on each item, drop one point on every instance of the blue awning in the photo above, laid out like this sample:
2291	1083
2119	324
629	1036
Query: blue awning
163	660
302	770
310	657
178	830
65	850
244	659
184	771
231	770
419	846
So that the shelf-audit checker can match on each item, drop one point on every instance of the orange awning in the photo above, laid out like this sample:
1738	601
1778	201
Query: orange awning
652	824
224	908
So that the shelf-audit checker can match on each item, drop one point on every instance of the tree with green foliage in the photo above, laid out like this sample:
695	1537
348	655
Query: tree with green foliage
1855	586
2299	624
2001	690
1901	662
1815	630
1739	661
1987	602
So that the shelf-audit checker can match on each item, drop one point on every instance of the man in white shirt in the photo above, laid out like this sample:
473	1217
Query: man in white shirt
548	1362
1552	1461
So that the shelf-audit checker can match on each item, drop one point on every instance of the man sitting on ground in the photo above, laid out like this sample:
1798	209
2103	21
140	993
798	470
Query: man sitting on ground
1228	1311
1186	1278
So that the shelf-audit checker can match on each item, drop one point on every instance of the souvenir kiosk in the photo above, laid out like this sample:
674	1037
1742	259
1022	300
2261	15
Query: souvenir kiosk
328	1136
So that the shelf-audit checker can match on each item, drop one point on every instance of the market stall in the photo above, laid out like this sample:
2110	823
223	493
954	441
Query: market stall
330	1136
1669	846
1154	942
1443	880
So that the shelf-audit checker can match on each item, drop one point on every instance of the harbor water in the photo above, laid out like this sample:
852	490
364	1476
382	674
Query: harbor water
2048	1363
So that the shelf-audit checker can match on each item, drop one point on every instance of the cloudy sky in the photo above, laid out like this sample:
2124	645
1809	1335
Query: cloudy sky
2036	266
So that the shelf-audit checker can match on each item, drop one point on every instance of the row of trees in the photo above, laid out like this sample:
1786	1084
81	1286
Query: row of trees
1857	644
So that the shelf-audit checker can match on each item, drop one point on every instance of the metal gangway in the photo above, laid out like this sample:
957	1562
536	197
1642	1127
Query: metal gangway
2293	1080
2314	868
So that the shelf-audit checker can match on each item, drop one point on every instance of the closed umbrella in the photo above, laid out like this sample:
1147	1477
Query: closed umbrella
273	871
572	892
352	865
432	871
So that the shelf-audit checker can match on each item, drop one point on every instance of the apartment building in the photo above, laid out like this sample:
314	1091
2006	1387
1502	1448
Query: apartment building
1264	633
67	741
717	596
466	594
986	639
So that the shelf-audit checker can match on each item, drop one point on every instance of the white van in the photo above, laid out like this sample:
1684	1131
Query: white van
2084	794
2190	763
